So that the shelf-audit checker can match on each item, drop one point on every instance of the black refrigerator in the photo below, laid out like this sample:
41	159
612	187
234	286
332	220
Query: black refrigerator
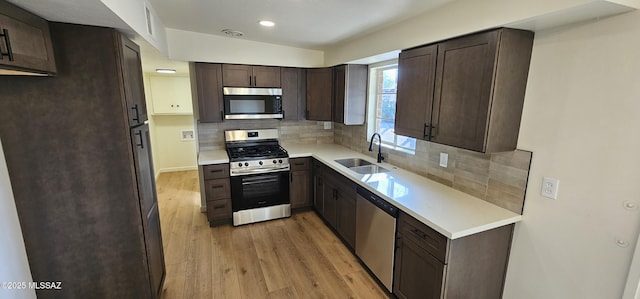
79	158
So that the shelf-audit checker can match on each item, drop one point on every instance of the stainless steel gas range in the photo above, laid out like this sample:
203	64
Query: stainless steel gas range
259	171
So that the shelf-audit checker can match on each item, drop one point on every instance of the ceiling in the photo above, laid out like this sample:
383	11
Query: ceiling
311	24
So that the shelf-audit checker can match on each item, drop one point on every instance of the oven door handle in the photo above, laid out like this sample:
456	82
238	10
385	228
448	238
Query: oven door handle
260	182
259	170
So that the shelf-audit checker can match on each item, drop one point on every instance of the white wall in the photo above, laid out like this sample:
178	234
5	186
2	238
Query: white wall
463	17
13	257
193	46
581	120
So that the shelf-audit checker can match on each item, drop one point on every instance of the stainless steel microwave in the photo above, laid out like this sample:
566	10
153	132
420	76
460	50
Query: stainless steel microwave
252	103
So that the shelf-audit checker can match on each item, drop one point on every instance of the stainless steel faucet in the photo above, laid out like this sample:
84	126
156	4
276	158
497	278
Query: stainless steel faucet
380	157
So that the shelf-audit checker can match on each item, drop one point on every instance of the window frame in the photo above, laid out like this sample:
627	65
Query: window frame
372	105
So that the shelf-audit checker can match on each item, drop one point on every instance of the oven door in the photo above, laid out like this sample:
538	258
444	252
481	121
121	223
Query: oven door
259	190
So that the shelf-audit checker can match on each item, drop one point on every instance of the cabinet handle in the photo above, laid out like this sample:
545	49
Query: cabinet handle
298	164
139	134
217	186
419	233
306	114
254	81
283	114
7	42
221	116
217	207
135	109
216	170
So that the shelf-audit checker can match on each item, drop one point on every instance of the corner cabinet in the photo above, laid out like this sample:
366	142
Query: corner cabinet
468	91
320	94
206	91
430	266
25	43
240	75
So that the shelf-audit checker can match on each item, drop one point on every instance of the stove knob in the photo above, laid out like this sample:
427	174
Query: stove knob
239	164
246	163
274	161
260	162
279	161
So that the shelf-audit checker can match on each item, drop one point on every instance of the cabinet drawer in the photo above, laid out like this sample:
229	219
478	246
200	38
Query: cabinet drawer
219	209
216	171
217	189
300	164
425	237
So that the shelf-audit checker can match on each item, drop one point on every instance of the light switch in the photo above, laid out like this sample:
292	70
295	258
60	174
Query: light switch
550	187
444	160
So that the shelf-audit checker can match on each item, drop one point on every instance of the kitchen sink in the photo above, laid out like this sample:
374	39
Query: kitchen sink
353	162
361	166
368	169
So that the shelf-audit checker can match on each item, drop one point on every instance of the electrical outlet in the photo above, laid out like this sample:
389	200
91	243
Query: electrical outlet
327	125
444	160
550	187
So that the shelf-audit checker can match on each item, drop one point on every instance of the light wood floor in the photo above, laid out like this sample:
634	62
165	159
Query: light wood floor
296	257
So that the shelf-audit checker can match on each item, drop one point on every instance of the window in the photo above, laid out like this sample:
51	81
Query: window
382	107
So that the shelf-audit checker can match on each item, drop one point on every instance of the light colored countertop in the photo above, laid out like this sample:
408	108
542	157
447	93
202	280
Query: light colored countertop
448	211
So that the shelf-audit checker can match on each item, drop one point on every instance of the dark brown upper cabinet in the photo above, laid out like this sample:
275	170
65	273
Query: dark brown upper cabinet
320	94
293	93
240	75
134	89
206	90
479	84
415	91
350	94
25	43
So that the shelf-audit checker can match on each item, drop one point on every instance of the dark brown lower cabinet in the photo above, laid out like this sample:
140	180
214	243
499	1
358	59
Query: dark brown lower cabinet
428	265
217	189
335	201
300	183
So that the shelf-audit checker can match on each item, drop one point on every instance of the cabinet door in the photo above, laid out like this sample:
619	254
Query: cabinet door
237	75
318	195
170	95
155	252
206	82
416	77
330	202
319	94
300	189
266	76
346	222
339	85
29	38
293	93
464	79
133	85
417	274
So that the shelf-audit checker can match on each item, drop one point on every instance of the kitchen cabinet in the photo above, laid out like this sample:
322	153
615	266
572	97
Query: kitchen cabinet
350	94
217	193
320	94
25	43
240	75
429	265
92	220
416	79
294	81
206	91
479	83
335	201
170	95
134	87
300	182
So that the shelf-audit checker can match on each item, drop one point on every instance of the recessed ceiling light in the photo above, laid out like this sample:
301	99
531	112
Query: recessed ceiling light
267	23
232	33
166	71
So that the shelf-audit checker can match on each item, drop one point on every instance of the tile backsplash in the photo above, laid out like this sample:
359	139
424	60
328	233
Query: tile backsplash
499	178
211	135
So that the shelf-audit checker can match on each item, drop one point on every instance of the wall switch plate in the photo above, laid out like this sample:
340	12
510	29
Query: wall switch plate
327	125
549	187
444	159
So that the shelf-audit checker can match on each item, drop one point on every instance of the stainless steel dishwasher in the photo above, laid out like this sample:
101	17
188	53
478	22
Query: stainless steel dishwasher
376	235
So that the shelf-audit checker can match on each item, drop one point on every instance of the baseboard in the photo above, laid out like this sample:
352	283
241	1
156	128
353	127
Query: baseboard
172	169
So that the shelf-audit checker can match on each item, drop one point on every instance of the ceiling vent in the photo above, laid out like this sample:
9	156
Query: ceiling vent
232	33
